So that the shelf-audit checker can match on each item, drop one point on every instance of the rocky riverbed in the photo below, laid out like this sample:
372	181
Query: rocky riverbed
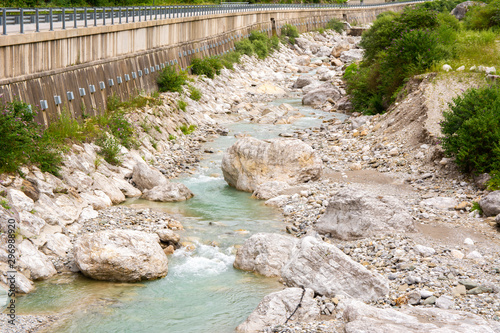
411	231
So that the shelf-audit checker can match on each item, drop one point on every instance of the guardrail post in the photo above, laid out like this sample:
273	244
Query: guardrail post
74	19
112	16
104	16
85	17
95	17
64	18
119	15
51	20
37	21
21	14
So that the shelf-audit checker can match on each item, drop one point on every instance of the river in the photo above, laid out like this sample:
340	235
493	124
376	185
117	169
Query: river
202	291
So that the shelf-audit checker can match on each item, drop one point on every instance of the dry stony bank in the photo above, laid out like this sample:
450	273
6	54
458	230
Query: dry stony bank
429	254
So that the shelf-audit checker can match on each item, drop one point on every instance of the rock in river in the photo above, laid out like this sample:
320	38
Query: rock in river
251	162
265	253
121	255
168	192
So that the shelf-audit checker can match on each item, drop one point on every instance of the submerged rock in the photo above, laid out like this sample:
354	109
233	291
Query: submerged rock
251	162
121	255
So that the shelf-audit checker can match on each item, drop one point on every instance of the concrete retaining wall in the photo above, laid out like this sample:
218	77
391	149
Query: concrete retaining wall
36	67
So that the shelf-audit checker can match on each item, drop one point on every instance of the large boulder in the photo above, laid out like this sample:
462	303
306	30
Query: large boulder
351	55
251	162
145	177
277	307
39	266
329	272
462	8
303	43
121	255
108	186
57	244
19	200
339	48
22	283
353	214
303	81
319	95
168	192
265	253
30	225
490	204
362	318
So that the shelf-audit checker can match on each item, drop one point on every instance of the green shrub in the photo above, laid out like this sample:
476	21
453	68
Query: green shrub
171	137
186	130
274	44
336	25
216	64
120	127
379	36
110	149
182	104
412	53
229	59
171	80
483	17
207	66
363	88
257	35
398	46
261	49
442	6
290	31
194	93
471	130
23	140
202	67
244	46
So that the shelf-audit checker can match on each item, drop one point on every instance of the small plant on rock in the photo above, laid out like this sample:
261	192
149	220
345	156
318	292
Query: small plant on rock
110	149
182	104
194	93
186	130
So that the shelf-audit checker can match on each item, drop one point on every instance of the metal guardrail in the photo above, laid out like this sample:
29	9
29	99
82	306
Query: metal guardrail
85	17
